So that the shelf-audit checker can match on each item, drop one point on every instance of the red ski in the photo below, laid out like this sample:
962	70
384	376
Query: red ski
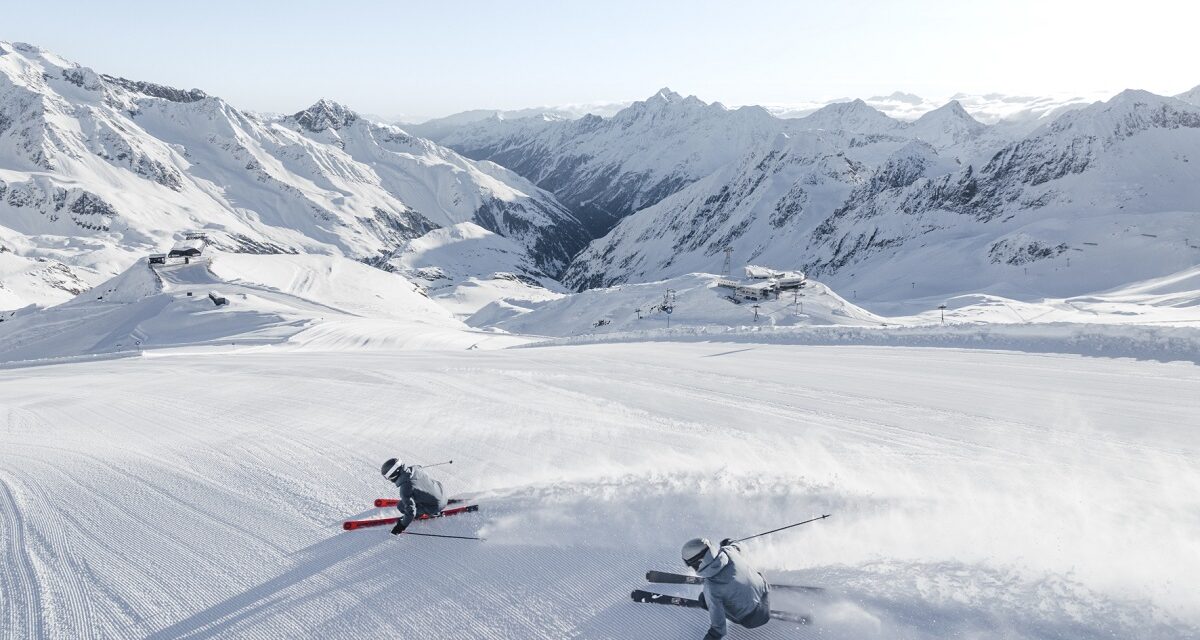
391	502
351	525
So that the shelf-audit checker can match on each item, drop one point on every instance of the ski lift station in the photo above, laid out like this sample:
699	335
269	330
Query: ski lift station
187	249
192	246
762	283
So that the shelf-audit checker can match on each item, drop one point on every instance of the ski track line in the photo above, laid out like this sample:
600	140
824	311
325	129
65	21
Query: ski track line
22	599
167	497
121	553
56	542
68	584
158	567
255	424
225	579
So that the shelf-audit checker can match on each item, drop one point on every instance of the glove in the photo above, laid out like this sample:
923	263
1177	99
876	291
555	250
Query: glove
712	635
726	542
398	529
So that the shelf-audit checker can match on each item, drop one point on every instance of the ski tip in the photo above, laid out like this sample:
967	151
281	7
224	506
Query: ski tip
638	595
347	526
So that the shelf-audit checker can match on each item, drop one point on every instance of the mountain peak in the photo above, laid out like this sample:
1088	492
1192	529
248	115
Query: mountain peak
1191	96
666	95
1124	115
156	90
856	105
1128	101
1134	95
853	115
952	109
325	114
955	107
900	96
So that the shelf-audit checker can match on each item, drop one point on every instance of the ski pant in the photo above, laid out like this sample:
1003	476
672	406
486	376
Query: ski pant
757	618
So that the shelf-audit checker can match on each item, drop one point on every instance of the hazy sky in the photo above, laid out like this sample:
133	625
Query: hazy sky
435	58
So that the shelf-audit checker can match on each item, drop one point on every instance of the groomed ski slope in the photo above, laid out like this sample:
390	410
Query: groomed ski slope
974	493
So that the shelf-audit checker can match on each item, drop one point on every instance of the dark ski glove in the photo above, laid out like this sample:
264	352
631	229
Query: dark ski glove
726	542
398	529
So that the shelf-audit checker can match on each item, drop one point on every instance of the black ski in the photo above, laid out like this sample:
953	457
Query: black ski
650	597
663	577
639	595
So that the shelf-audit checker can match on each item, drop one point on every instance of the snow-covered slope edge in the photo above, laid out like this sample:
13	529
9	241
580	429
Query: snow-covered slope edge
294	301
694	301
1141	342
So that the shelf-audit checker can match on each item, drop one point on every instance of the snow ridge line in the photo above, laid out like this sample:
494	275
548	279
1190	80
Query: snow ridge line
1165	344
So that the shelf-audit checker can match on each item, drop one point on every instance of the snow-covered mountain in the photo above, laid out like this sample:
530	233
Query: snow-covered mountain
1191	96
854	115
607	168
1009	111
1100	197
437	128
466	267
96	171
761	206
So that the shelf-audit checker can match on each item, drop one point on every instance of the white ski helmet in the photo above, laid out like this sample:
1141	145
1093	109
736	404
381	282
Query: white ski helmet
694	550
392	464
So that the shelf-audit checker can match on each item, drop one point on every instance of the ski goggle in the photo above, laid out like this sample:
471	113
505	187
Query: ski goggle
396	473
694	561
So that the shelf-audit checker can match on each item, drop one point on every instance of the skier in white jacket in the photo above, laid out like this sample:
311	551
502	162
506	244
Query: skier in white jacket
733	589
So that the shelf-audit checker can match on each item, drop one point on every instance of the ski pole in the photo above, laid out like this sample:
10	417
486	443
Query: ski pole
782	528
427	466
439	535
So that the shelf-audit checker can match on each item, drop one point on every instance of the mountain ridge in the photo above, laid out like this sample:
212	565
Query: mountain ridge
96	171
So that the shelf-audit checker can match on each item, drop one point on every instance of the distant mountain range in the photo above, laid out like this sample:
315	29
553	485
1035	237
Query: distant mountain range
1034	197
941	204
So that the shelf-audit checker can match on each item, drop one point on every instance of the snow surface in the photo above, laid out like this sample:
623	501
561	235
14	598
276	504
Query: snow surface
695	300
1031	477
466	267
293	301
973	493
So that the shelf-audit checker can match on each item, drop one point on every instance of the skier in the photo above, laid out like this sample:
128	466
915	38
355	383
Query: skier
732	588
420	495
